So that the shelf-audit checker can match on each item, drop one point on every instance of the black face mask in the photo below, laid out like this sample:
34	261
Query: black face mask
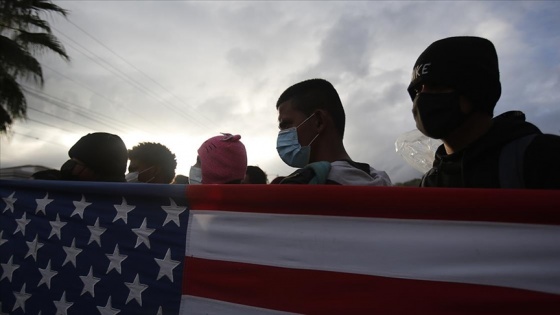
437	114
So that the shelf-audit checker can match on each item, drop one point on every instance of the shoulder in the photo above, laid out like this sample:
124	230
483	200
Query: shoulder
541	166
355	173
313	173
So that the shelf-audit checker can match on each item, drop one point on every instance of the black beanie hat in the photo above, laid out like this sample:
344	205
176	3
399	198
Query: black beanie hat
104	153
468	64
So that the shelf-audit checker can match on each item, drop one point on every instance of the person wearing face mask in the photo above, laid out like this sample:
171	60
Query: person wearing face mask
311	122
98	156
454	88
151	163
195	173
221	160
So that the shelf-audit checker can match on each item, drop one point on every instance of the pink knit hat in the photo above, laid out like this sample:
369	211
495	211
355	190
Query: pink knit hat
222	159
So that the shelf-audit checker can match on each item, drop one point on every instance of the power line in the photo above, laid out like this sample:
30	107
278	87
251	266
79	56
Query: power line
49	125
37	138
130	80
56	117
79	110
133	66
98	94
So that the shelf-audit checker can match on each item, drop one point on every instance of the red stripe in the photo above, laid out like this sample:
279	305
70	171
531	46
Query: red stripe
493	205
322	292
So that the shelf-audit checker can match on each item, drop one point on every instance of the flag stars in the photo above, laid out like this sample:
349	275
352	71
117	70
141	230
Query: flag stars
166	266
56	226
42	204
89	283
143	233
71	253
136	288
96	232
115	260
34	248
108	309
173	211
62	306
10	200
21	223
122	210
21	298
8	269
80	206
46	275
2	239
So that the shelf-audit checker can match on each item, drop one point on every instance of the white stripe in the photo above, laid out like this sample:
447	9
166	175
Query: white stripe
192	305
524	256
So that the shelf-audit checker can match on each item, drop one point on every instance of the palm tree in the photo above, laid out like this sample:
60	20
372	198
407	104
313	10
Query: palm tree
23	33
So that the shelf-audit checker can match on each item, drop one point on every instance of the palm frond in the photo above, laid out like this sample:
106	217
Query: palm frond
41	41
48	6
12	101
18	62
5	120
26	22
19	22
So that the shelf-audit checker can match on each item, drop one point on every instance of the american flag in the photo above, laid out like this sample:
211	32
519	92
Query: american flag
70	248
275	249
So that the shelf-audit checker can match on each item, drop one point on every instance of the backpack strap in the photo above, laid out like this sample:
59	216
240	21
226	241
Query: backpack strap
511	165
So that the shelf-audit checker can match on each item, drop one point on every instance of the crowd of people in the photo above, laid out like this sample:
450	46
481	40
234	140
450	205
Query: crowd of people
454	88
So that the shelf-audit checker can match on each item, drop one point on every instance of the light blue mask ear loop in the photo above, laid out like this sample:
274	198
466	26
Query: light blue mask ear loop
312	140
306	119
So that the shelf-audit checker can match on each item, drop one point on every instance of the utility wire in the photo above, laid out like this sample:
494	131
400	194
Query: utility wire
49	125
58	117
130	80
134	67
37	138
67	120
79	110
99	94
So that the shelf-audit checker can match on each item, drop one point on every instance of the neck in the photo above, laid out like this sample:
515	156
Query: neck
328	151
471	130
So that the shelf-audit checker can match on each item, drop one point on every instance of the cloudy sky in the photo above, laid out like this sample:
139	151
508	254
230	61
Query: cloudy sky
179	72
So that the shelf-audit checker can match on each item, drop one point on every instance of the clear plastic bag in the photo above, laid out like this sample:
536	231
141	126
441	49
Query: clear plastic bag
417	149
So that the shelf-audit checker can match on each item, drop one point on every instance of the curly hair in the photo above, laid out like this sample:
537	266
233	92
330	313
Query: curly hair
155	154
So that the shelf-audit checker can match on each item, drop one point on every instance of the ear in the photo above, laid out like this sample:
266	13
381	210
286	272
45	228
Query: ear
157	170
466	105
321	120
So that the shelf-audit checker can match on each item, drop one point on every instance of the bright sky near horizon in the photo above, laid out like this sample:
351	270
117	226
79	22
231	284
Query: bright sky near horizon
179	72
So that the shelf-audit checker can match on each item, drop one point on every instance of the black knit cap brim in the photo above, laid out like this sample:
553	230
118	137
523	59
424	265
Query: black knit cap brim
466	63
104	153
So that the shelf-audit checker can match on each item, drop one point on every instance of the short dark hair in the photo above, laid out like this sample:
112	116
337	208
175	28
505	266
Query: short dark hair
310	95
256	175
155	154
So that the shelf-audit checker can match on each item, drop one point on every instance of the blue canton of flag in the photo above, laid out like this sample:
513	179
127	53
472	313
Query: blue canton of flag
91	248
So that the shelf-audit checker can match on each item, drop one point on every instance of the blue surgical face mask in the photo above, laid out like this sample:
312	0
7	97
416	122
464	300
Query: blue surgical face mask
195	175
289	148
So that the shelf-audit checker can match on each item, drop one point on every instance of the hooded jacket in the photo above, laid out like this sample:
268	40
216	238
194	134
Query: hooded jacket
478	165
343	172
